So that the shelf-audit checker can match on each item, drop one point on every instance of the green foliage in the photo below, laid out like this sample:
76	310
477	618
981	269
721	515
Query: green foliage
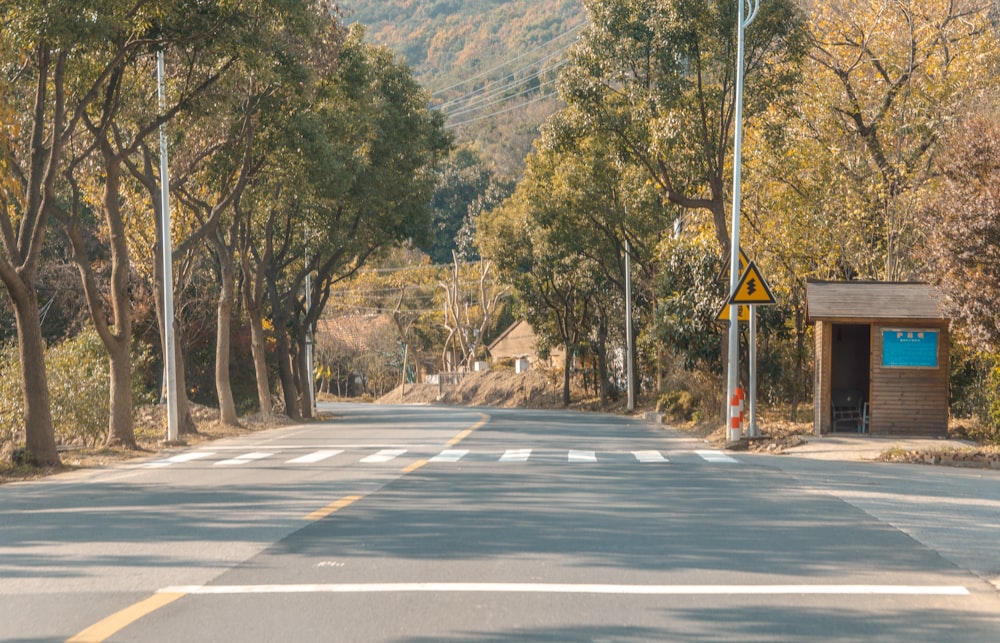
77	371
11	411
689	295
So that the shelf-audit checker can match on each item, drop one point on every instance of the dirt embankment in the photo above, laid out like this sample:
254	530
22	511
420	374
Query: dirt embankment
499	388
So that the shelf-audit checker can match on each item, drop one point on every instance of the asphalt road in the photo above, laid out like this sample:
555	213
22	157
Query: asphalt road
427	524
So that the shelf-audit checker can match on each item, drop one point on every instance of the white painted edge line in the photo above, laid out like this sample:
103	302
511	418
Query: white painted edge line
715	456
243	459
560	588
581	456
316	456
385	455
516	455
450	455
649	456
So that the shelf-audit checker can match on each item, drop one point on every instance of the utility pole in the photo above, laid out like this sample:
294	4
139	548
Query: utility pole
629	362
733	432
169	357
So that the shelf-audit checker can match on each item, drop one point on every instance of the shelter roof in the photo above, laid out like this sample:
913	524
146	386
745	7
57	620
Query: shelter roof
873	300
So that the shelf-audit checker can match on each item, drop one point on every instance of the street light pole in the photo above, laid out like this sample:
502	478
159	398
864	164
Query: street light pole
733	433
169	358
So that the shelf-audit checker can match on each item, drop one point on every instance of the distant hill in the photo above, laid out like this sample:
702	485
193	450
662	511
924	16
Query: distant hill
490	64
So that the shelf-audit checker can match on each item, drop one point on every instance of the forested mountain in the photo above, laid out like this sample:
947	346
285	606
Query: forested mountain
490	65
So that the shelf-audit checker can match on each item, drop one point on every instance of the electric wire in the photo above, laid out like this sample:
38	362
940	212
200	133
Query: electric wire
512	60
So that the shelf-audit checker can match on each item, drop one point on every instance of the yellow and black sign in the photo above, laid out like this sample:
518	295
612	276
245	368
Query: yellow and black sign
752	288
742	313
744	262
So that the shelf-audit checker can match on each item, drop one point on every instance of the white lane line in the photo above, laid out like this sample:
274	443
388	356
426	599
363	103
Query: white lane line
315	456
715	456
450	455
561	588
649	456
582	456
516	455
243	459
385	455
180	457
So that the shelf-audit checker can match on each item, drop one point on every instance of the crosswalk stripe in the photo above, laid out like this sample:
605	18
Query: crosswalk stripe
243	459
179	458
581	456
385	455
715	456
450	455
649	456
315	456
516	455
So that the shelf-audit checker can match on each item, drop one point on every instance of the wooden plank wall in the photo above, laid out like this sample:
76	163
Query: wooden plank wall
821	383
909	401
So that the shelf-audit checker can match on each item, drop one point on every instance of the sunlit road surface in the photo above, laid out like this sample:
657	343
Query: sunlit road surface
428	524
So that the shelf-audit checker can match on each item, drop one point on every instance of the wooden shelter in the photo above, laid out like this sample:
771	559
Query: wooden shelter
882	353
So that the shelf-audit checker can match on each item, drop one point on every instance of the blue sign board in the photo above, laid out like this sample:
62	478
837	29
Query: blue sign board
909	348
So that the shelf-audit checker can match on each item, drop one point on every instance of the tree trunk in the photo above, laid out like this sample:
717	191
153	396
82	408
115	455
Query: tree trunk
306	384
121	431
258	348
185	423
602	362
39	431
253	304
224	319
567	365
289	389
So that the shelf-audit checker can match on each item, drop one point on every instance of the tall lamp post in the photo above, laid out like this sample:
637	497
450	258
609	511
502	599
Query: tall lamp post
743	20
169	358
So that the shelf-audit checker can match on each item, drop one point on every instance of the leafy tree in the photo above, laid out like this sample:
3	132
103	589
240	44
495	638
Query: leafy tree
54	92
364	182
212	38
464	178
882	82
964	220
657	79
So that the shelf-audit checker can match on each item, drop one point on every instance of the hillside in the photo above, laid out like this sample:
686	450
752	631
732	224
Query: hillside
490	65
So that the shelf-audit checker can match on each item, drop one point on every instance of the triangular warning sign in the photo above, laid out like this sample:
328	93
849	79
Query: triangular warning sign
744	261
742	314
752	289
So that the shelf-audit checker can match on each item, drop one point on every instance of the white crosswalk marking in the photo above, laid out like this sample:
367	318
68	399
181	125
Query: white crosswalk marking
450	455
315	456
649	456
582	456
715	456
385	455
243	459
180	457
516	455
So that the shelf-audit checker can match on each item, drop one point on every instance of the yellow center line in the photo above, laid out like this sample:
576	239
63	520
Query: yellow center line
414	466
107	627
334	506
464	434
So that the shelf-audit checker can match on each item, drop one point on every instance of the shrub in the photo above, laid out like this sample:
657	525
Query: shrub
678	405
77	372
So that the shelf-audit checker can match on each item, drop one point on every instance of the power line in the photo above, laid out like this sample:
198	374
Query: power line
505	110
512	60
512	83
484	101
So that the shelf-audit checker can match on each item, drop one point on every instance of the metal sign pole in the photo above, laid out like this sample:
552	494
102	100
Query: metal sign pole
733	433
